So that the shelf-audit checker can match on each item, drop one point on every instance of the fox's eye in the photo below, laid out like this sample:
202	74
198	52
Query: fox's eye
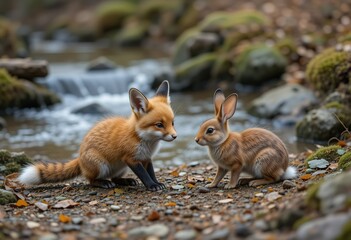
209	130
159	125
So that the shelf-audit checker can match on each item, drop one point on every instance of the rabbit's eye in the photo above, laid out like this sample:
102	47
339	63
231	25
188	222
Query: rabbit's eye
209	130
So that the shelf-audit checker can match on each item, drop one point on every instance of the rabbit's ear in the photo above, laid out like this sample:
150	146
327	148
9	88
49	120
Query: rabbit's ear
218	99
228	107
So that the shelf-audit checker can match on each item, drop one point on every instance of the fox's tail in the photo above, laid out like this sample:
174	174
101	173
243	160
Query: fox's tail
49	172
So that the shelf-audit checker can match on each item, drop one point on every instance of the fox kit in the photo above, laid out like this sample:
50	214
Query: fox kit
115	143
255	151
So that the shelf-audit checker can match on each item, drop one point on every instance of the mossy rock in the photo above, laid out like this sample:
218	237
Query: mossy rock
287	47
23	94
345	161
10	44
329	69
11	162
194	73
311	195
345	39
111	14
181	52
259	64
152	9
228	20
7	197
328	153
133	33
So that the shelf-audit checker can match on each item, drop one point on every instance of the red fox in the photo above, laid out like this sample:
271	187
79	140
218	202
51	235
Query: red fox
115	143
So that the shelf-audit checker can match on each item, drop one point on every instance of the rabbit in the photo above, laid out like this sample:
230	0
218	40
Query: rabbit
255	151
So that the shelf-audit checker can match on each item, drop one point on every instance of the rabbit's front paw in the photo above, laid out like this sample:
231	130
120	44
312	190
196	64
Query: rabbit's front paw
229	186
211	185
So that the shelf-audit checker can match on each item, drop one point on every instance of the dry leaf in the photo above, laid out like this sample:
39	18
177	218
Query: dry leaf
154	216
92	203
170	204
228	200
42	206
306	177
11	182
65	204
64	219
189	185
333	166
229	195
175	173
118	190
21	203
342	143
255	200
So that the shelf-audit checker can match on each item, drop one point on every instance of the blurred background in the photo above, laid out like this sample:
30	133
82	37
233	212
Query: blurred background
67	64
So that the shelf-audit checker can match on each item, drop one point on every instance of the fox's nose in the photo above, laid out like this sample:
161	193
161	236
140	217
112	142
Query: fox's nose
197	140
174	136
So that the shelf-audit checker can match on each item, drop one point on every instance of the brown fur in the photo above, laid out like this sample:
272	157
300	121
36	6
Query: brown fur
256	151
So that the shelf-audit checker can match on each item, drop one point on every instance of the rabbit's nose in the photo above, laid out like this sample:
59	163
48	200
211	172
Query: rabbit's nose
197	140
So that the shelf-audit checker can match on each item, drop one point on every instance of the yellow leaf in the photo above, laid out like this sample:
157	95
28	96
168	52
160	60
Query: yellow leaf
255	200
170	204
21	203
119	190
64	219
306	177
189	185
175	173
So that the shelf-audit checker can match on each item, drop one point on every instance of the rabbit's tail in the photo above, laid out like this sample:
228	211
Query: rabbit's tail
290	173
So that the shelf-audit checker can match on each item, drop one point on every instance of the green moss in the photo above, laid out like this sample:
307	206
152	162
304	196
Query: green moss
335	105
345	232
151	10
204	59
302	221
12	162
132	33
110	15
345	161
9	42
287	47
345	39
227	20
328	153
7	197
180	53
21	94
311	195
258	64
328	69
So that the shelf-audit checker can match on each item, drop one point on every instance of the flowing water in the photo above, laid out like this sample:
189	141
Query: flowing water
55	134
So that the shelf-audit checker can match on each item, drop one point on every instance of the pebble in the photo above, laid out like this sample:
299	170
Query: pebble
264	191
158	230
181	174
77	220
203	190
60	198
287	184
115	207
259	194
71	227
177	187
97	220
273	196
193	164
319	172
137	217
309	170
219	234
318	163
92	193
169	212
31	224
48	236
185	234
242	230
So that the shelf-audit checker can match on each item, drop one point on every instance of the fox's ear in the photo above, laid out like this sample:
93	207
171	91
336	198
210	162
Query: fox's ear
138	101
163	90
218	99
228	108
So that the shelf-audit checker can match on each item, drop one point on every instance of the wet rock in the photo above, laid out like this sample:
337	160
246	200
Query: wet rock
25	68
7	197
97	220
242	230
221	234
185	235
101	64
287	184
11	162
282	101
158	230
329	227
203	190
71	227
259	64
318	163
93	109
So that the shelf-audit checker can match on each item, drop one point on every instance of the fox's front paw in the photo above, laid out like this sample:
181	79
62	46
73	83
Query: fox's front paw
156	187
211	185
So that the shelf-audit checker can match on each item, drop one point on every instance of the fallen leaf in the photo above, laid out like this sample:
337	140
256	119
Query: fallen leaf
228	200
64	218
118	190
342	143
333	166
154	216
170	204
255	200
111	192
21	203
175	173
306	177
65	204
42	206
92	203
270	189
189	185
11	182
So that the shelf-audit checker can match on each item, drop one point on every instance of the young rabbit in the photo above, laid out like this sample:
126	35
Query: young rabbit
255	151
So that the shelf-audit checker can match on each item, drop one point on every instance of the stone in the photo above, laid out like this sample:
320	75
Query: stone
177	187
185	234
115	207
91	108
97	220
289	99
319	172
242	230
287	184
77	220
318	164
220	234
101	64
25	68
203	190
203	43
158	230
325	228
273	196
31	224
7	197
48	236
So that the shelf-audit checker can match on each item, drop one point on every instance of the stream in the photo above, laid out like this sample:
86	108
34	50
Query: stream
55	134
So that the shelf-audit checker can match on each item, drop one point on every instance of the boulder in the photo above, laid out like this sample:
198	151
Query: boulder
11	162
203	43
92	108
25	68
132	33
101	64
23	94
194	73
259	64
289	99
7	197
181	52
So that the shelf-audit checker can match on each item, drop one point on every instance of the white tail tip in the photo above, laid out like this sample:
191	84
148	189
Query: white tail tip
30	176
290	173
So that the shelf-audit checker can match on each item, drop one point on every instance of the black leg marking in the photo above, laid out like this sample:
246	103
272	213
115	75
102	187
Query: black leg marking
143	175
151	172
125	181
102	183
